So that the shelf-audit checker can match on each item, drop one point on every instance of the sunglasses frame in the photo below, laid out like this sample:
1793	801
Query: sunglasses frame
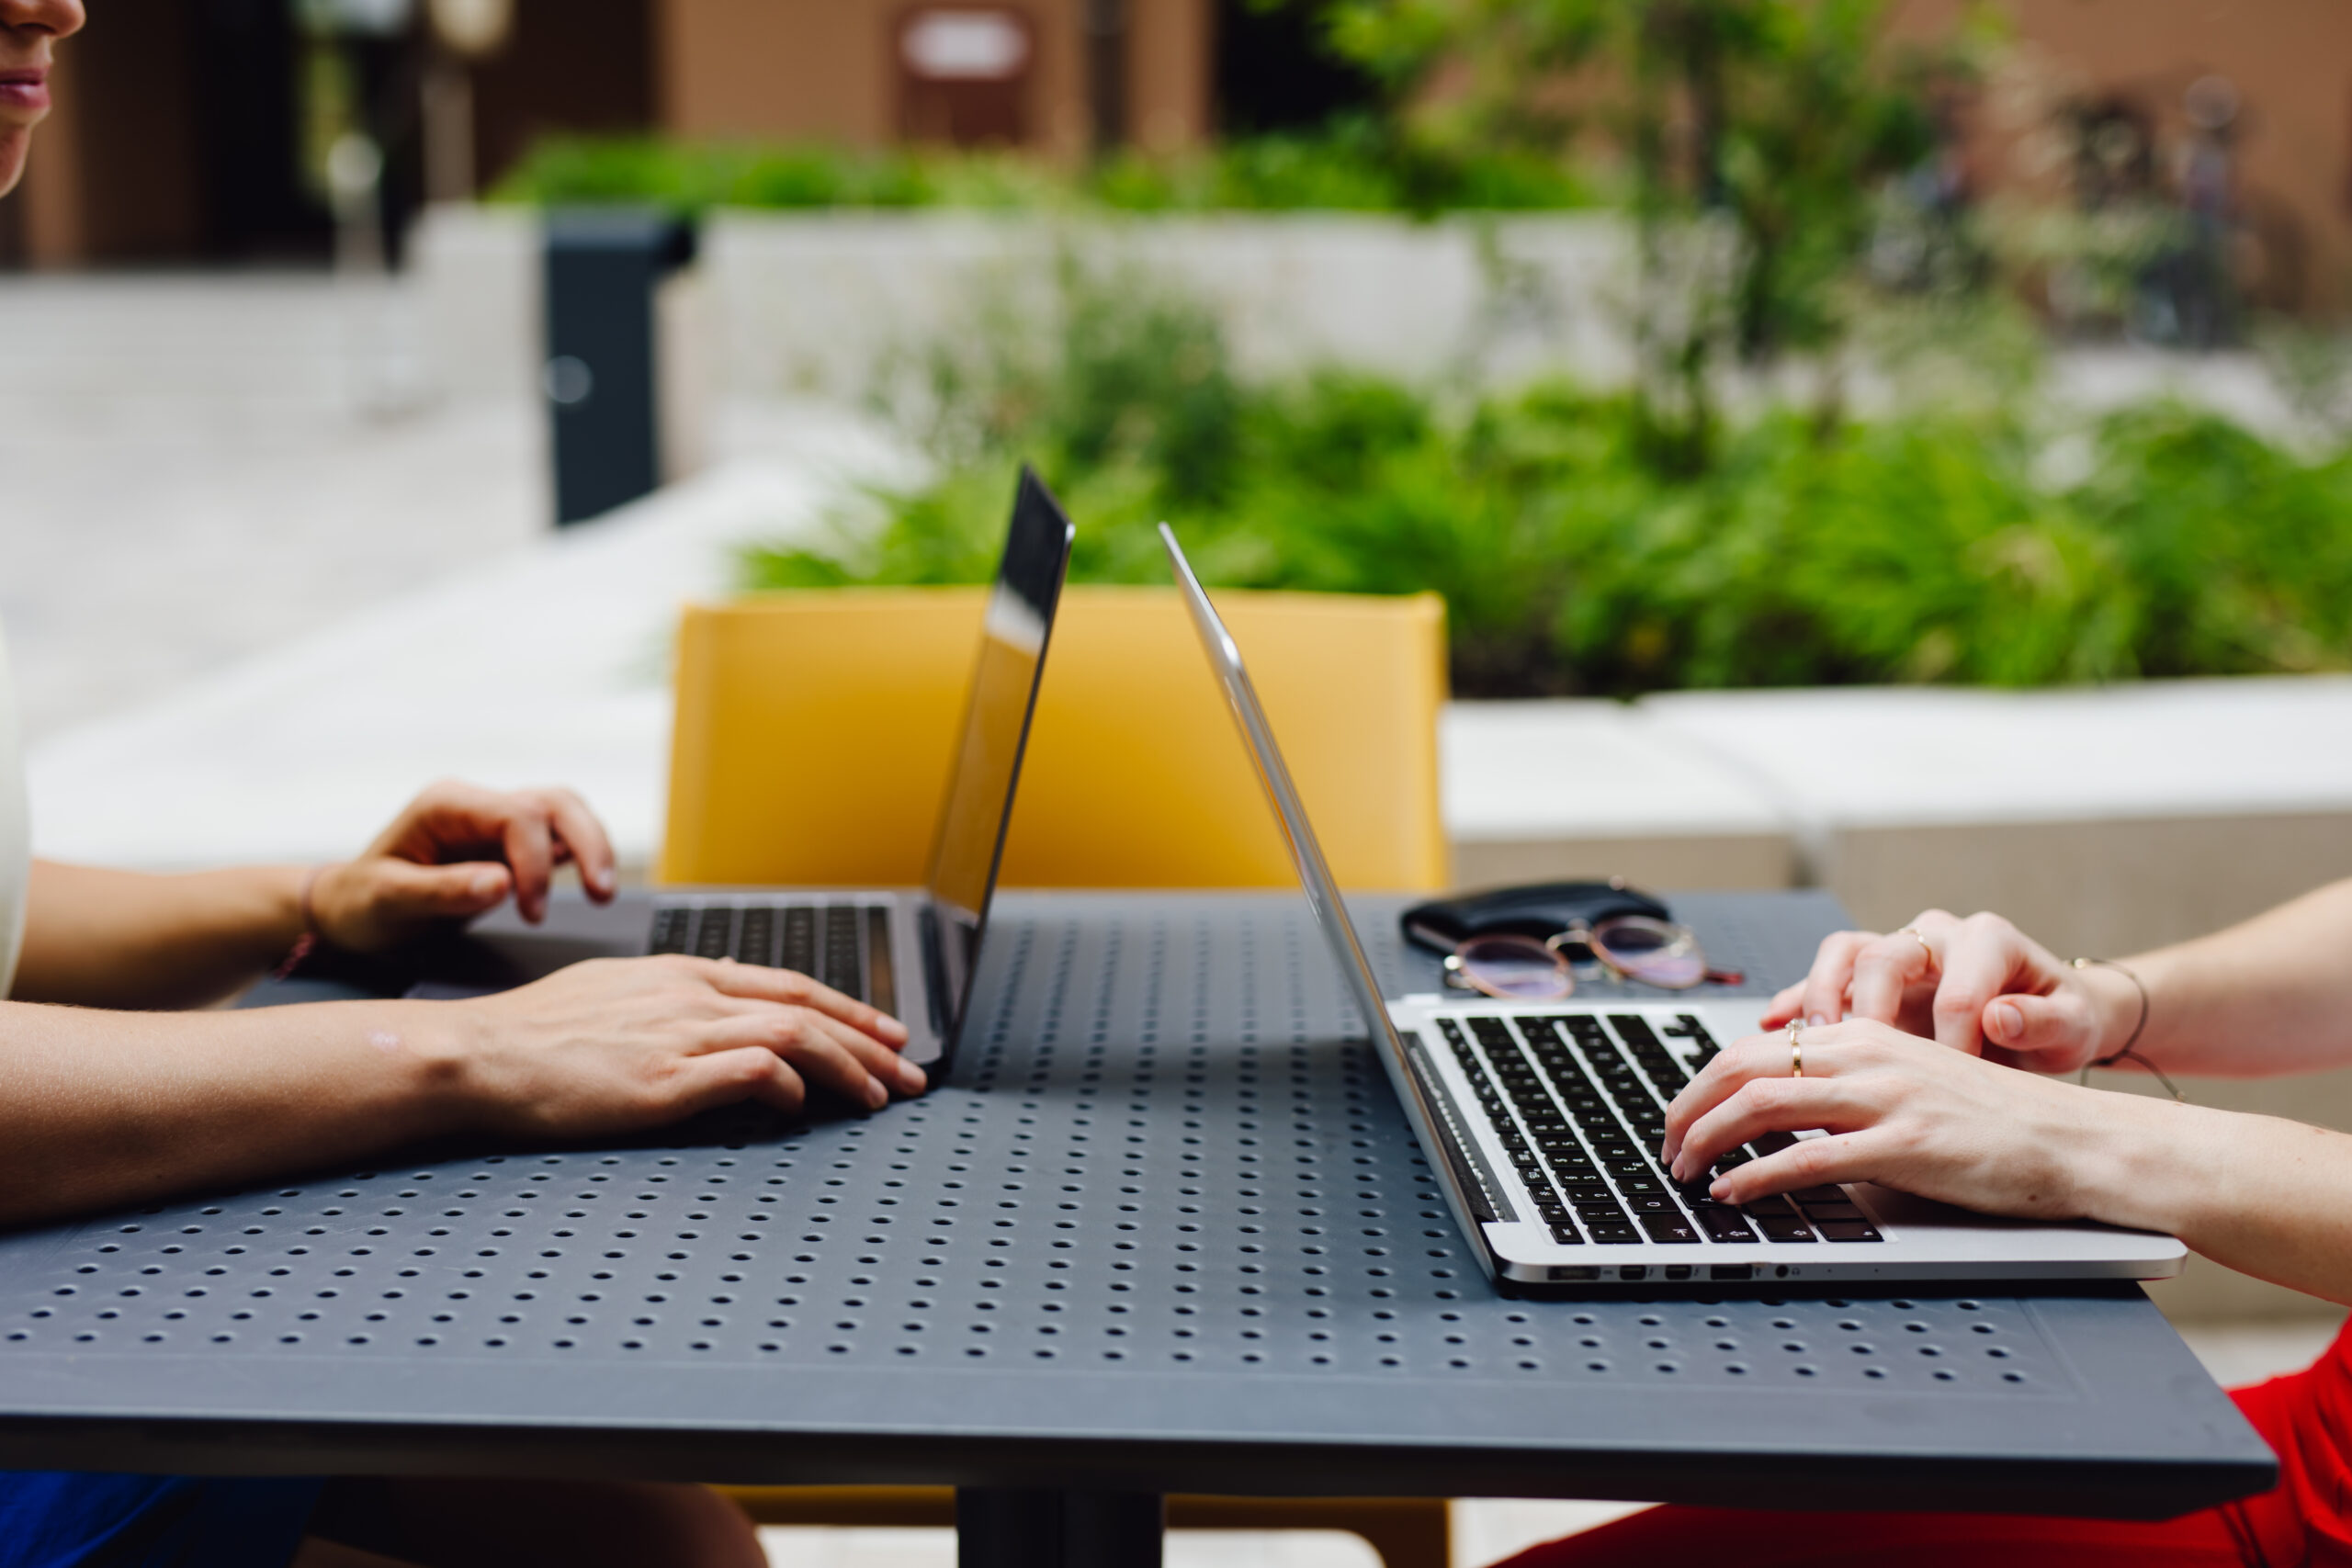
1590	937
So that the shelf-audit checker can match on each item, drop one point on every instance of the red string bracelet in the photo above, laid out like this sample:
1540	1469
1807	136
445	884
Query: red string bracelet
307	943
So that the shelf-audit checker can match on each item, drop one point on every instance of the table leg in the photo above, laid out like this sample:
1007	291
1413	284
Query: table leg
1010	1527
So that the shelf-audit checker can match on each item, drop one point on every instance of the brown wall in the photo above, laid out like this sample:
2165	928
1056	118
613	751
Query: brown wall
574	67
827	68
115	171
1171	61
2291	62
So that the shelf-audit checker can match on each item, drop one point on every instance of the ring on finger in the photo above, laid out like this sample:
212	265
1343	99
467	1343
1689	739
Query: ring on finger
1912	932
1796	1052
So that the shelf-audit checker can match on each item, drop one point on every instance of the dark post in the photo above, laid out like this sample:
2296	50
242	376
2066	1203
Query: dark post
600	379
1106	72
1010	1527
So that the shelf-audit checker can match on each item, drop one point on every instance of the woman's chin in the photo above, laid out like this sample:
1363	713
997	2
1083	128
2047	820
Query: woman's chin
15	141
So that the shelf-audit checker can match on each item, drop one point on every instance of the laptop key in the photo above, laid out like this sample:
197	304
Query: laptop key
800	939
1850	1230
1722	1223
1669	1228
1823	1194
1566	1235
1778	1229
756	943
1615	1232
716	936
881	973
670	928
840	957
1653	1203
1819	1213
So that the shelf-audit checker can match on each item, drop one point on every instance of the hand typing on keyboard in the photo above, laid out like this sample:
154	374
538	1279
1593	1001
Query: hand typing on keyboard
1897	1111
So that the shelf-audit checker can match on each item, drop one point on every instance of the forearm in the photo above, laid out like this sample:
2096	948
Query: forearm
106	1109
2262	1195
2271	995
118	939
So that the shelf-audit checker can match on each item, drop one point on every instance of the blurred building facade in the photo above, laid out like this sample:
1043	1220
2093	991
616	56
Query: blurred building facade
191	129
2238	116
188	129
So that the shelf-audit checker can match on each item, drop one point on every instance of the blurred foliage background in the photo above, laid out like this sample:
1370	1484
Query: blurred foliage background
1735	514
1981	539
1357	163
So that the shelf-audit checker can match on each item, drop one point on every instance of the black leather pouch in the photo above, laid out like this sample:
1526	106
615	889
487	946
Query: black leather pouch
1540	910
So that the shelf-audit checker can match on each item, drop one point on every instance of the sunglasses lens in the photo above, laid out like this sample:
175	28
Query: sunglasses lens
1515	968
1651	951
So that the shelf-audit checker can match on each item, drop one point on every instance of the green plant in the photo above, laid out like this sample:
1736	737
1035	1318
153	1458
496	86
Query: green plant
1754	138
1930	546
1352	165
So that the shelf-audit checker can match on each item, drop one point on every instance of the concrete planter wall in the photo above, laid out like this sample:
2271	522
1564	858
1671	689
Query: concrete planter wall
827	303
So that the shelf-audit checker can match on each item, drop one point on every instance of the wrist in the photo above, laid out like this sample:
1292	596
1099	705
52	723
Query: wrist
473	1080
2119	1007
2144	1162
432	1048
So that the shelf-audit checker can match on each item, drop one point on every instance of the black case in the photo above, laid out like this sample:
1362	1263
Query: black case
1540	910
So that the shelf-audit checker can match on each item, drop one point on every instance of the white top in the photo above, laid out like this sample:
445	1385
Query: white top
15	843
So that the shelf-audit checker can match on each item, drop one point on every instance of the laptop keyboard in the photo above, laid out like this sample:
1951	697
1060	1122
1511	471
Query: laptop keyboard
844	945
1580	1103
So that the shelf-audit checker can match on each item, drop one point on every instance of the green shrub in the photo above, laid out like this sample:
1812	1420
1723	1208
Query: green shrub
1927	547
1353	166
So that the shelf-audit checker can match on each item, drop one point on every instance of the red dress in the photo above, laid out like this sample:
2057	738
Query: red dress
2306	1418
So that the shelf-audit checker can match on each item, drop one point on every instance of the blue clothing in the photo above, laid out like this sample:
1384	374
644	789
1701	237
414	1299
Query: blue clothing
55	1519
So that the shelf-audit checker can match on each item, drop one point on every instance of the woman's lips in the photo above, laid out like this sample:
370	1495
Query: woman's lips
24	91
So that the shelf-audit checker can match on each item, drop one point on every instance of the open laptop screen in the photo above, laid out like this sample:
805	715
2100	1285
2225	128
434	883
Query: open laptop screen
972	820
1306	852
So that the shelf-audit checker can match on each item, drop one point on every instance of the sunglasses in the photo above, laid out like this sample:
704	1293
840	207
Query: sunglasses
1632	947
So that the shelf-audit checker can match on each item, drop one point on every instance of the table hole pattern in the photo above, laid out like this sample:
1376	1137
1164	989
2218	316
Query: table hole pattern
1157	1154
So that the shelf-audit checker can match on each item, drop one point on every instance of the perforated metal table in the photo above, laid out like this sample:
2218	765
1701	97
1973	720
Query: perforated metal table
1162	1230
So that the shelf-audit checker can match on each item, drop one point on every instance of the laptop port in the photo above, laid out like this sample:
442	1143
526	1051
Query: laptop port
1731	1271
1565	1273
1632	1271
1677	1271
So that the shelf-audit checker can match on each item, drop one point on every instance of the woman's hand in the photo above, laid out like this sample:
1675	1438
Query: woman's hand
617	1045
1977	985
1897	1111
456	853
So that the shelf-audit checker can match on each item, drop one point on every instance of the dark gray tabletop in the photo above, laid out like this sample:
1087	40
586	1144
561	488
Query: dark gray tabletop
1163	1230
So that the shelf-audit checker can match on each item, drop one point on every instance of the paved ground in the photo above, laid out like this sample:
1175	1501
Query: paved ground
198	469
202	468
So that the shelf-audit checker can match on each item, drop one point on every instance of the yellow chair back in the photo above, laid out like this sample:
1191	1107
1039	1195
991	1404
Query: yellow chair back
814	732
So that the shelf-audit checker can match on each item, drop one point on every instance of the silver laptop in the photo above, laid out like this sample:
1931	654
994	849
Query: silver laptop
1543	1121
913	955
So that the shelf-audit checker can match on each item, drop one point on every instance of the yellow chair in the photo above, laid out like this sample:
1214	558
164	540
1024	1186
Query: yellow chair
813	735
812	747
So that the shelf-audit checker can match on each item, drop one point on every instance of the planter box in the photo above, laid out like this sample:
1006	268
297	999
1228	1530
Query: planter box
834	303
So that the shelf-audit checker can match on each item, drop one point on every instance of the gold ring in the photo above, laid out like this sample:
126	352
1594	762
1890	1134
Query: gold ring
1796	1052
1912	932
